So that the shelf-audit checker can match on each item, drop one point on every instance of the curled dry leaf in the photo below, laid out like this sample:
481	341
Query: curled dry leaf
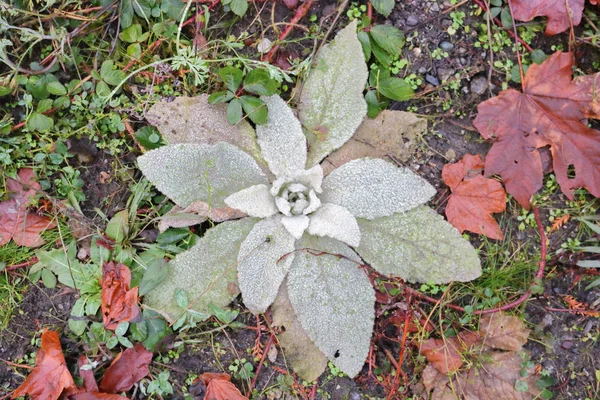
119	303
126	370
445	354
16	222
50	376
561	14
196	213
219	387
552	111
392	133
474	198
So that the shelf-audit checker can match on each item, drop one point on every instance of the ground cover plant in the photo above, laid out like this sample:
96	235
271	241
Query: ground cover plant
246	198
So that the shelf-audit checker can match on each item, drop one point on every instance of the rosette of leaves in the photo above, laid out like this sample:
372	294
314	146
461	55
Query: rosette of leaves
257	82
306	237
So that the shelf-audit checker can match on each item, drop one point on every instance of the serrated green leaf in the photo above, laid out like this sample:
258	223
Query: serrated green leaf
389	38
259	82
39	122
383	7
381	55
126	14
56	88
4	90
132	34
220	97
232	77
255	109
207	271
418	246
44	105
395	89
234	111
334	301
332	105
190	172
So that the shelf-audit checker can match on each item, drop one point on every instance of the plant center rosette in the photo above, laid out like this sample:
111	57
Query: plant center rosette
301	247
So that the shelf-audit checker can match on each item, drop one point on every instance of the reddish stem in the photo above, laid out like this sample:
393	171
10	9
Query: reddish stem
191	19
499	23
301	12
21	265
262	361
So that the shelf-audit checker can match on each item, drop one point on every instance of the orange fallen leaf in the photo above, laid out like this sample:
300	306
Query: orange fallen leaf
126	370
97	396
219	387
50	376
561	14
16	222
119	303
474	198
446	354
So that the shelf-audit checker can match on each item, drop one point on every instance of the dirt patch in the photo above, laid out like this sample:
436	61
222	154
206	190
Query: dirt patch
41	307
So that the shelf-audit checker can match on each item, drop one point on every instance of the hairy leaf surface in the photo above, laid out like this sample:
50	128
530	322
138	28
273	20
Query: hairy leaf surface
206	272
334	301
418	246
332	105
189	172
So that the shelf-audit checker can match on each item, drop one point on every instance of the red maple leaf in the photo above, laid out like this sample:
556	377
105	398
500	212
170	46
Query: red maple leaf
119	303
551	112
126	370
16	222
474	198
50	376
560	18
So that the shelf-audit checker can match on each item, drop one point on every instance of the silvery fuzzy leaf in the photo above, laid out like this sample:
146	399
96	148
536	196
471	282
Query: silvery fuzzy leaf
194	120
303	355
263	262
281	140
206	272
312	178
372	188
256	201
334	301
295	224
189	172
196	213
418	246
336	222
331	104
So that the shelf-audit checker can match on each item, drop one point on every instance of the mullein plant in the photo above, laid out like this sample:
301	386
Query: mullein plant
298	232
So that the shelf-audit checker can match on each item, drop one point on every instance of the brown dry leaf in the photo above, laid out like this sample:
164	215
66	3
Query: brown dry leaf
303	355
446	355
196	213
503	332
16	222
96	396
219	387
126	370
552	111
50	376
193	120
87	374
474	198
393	133
495	378
119	303
560	18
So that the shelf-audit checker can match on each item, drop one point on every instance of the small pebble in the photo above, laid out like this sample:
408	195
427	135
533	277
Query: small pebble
446	46
432	79
567	344
412	20
479	85
445	73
